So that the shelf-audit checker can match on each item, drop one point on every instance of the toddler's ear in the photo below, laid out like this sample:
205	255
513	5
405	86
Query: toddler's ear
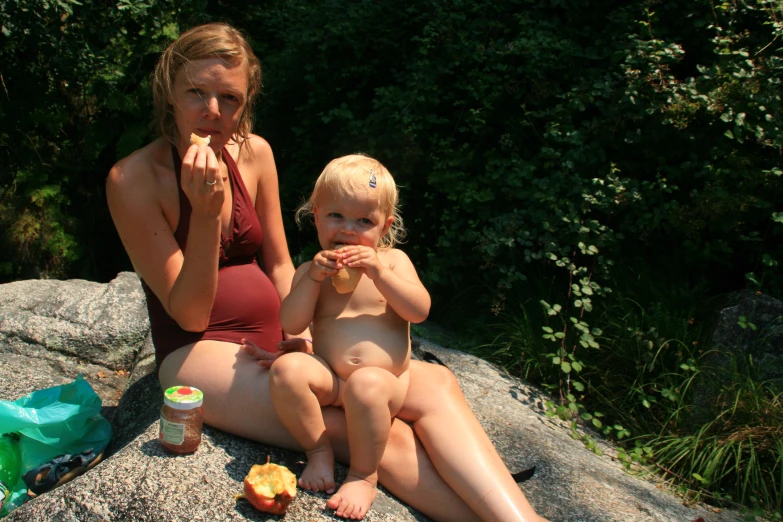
389	221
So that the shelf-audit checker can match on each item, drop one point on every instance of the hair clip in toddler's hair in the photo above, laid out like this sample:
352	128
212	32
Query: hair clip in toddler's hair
372	178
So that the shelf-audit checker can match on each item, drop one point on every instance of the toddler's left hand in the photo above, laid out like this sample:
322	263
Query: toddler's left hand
358	256
265	358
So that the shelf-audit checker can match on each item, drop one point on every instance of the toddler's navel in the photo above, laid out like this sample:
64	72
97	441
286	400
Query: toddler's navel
355	360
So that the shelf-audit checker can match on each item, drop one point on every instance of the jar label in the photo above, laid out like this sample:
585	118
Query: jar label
172	432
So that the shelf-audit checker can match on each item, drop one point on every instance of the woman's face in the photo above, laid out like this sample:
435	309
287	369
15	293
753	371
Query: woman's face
208	99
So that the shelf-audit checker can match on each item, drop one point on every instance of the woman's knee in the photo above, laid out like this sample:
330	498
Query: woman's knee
433	390
440	381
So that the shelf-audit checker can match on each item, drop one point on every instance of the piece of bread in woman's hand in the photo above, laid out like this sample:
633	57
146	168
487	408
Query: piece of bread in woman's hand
195	139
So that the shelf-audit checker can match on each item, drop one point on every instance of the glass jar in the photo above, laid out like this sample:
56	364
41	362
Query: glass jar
181	418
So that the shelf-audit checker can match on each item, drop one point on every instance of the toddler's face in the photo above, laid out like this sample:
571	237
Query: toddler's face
352	220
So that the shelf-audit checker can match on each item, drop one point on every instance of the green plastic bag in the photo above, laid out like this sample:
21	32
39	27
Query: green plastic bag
51	422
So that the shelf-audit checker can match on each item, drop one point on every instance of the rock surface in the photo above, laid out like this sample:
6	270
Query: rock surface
761	337
52	330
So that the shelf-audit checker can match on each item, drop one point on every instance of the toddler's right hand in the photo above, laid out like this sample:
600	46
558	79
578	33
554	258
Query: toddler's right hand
325	264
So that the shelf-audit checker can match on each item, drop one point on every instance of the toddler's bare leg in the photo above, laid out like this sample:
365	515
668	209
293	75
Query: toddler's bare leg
371	397
299	385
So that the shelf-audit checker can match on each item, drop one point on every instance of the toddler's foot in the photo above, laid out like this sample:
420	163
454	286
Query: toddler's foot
355	496
318	475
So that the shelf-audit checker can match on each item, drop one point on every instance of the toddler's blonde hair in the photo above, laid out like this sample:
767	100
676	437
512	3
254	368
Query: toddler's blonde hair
344	176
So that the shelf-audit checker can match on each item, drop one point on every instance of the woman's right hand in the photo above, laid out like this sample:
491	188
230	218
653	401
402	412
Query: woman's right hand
201	180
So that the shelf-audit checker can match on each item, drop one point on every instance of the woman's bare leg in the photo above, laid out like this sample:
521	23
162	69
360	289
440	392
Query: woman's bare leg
236	400
299	384
459	448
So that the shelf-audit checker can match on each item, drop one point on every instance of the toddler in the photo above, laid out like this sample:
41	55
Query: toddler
361	335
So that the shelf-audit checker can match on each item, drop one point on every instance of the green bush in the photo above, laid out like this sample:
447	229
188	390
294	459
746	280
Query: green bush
74	98
525	132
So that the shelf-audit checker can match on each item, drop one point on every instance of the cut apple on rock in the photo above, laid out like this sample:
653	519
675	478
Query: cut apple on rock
269	487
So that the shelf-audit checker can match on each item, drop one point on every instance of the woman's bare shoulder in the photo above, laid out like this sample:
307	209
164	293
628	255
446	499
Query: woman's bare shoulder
142	167
255	152
257	145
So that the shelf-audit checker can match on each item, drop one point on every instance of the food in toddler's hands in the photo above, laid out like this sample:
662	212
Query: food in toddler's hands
269	487
346	279
195	139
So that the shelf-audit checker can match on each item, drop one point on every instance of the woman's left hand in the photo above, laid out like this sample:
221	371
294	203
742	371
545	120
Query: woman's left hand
265	358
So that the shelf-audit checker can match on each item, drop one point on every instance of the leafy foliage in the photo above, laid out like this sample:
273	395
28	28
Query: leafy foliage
75	97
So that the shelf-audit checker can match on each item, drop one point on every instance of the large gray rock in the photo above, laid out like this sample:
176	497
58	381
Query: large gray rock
138	481
763	341
79	320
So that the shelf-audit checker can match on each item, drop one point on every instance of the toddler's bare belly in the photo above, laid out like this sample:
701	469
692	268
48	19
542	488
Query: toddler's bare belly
348	344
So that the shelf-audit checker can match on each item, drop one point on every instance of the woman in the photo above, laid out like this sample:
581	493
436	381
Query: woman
192	217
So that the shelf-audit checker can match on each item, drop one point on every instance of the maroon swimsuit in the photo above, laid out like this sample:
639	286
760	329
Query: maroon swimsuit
246	303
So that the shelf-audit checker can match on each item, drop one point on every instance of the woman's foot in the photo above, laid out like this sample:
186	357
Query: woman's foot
355	496
318	475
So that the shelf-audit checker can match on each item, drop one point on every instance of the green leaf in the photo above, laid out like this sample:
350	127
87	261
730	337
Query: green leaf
699	478
565	367
597	423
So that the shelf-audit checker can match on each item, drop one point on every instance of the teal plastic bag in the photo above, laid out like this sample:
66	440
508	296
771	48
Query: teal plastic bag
51	422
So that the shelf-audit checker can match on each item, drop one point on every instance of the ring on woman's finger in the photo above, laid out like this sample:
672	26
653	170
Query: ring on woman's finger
213	182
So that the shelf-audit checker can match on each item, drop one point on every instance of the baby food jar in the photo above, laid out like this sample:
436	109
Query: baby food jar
181	418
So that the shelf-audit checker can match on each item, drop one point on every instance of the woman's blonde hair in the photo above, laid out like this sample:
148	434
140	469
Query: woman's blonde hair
216	40
345	175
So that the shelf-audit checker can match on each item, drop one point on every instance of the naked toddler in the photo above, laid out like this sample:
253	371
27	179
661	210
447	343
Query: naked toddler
361	338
